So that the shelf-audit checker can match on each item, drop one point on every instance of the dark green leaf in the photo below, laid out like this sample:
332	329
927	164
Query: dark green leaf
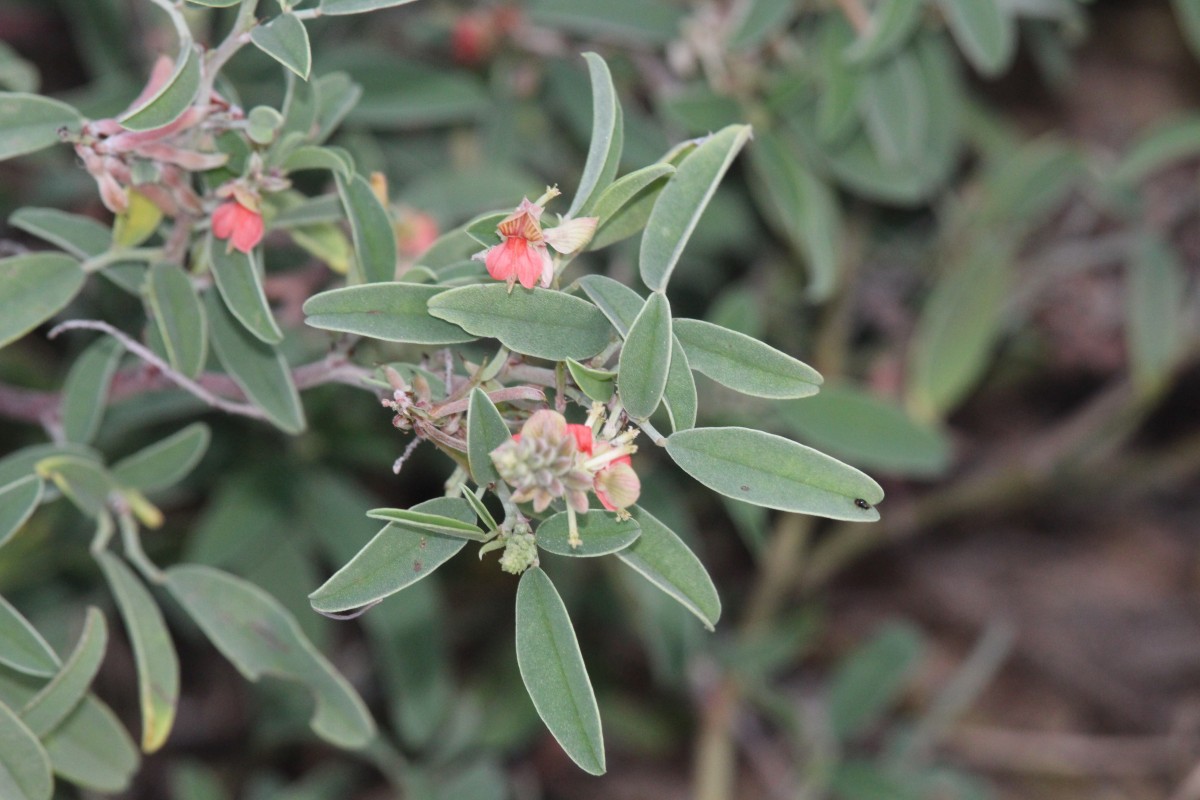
394	312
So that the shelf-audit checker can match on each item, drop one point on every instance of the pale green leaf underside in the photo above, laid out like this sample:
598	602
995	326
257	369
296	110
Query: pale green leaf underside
662	558
601	532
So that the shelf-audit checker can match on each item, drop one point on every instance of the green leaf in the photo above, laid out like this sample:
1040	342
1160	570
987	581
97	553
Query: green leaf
239	280
82	237
743	363
179	317
985	31
759	21
30	122
300	105
646	358
539	323
18	501
596	384
1155	312
957	330
802	209
91	749
337	95
166	462
1188	12
398	556
22	648
335	7
616	301
630	21
51	705
486	430
153	651
682	201
216	3
33	288
371	227
259	369
892	25
309	156
308	211
1165	143
260	637
602	533
627	190
870	679
85	391
83	480
433	523
608	136
175	96
24	462
138	222
662	558
24	765
394	312
841	83
16	73
679	395
866	430
895	109
553	671
768	470
285	40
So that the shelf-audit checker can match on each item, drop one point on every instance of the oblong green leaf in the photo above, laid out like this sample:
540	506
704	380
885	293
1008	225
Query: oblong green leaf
239	280
153	651
767	470
397	557
604	152
394	312
743	363
337	7
24	764
176	95
539	323
24	462
662	558
83	480
681	202
850	423
66	689
85	391
30	122
82	237
1188	13
601	532
626	189
870	678
179	317
165	462
259	369
892	24
22	648
434	523
614	299
679	395
33	288
486	430
285	40
18	501
333	159
554	674
371	228
597	384
1165	143
260	637
92	749
1154	329
895	110
985	31
646	358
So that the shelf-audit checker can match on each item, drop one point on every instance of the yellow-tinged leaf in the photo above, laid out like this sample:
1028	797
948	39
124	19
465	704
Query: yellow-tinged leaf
138	222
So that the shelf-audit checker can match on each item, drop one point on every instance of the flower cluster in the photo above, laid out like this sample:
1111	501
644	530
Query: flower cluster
523	255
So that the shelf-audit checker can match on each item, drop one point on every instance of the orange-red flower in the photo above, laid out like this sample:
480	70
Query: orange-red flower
522	254
615	483
242	226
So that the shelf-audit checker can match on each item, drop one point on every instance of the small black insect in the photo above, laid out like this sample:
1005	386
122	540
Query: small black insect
745	488
863	504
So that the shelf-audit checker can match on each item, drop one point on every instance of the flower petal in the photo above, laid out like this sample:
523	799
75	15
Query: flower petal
571	234
617	486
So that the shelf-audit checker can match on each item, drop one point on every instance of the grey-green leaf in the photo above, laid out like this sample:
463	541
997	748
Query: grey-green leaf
1154	328
22	648
1169	141
58	698
604	153
614	299
398	556
662	558
371	228
682	201
625	190
285	40
85	391
771	471
895	110
337	7
179	317
259	369
486	430
24	764
18	501
600	531
892	24
82	237
92	749
260	637
30	122
394	312
239	279
868	680
554	674
433	523
166	462
33	288
597	384
539	323
743	363
83	480
679	395
175	96
153	651
985	31
646	358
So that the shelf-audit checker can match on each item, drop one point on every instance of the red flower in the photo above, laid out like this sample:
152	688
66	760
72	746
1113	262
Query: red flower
242	226
616	484
522	254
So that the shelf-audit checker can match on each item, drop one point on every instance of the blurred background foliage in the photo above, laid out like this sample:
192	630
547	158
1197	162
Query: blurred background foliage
977	218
